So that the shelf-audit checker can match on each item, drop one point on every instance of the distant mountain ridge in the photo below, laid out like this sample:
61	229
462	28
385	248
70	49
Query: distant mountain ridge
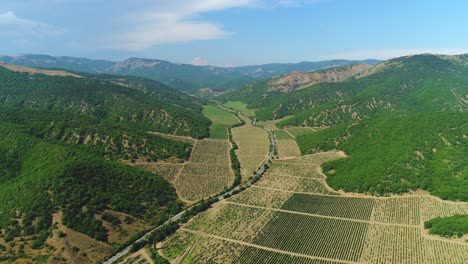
185	77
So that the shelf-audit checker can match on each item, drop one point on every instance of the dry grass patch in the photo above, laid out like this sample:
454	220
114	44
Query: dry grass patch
120	234
139	257
30	70
75	247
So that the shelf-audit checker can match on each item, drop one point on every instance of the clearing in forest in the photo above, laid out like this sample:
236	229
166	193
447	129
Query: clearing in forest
292	216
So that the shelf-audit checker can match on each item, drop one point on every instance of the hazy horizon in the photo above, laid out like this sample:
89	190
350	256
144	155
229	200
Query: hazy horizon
232	33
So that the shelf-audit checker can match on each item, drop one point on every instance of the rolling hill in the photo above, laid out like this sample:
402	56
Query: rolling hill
185	77
64	140
402	122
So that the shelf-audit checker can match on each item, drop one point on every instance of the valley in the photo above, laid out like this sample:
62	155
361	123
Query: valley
329	226
325	168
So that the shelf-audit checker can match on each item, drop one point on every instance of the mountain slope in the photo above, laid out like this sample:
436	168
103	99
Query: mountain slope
64	139
184	77
113	118
403	123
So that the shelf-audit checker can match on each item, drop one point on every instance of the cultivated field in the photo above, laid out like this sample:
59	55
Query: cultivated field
221	119
292	216
242	107
208	171
254	147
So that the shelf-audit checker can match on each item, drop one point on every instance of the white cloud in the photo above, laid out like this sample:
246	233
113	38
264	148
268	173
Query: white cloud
173	22
198	61
392	53
296	3
15	27
180	21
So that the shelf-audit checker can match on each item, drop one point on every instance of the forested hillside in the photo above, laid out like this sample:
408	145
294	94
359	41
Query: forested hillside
109	114
63	140
403	124
417	83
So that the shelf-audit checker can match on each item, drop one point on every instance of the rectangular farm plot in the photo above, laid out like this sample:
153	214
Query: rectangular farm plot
208	171
315	236
294	184
317	158
261	197
403	244
394	244
232	221
201	249
254	147
219	131
342	207
299	131
297	170
253	255
222	120
211	147
398	210
281	134
432	207
287	149
213	170
196	187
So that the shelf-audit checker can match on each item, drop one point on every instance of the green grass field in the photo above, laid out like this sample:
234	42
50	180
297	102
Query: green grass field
221	119
299	131
282	135
240	106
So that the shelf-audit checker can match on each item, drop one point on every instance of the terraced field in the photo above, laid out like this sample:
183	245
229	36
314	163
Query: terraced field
254	147
291	216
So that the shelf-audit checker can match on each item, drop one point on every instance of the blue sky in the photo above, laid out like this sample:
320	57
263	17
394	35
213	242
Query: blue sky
233	32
